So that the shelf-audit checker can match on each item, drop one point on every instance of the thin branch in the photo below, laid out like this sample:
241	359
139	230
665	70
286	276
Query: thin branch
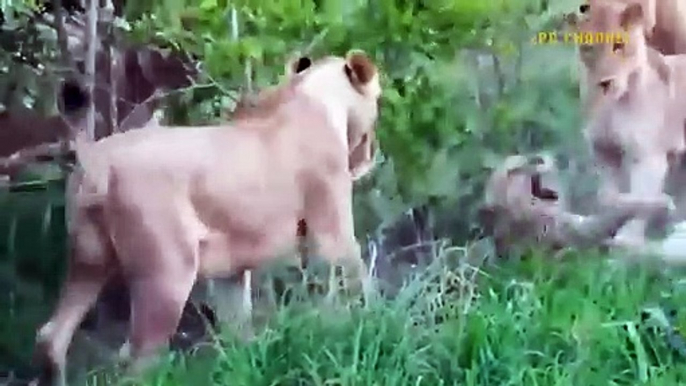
248	63
519	64
66	62
144	104
247	275
91	41
66	59
158	95
315	41
46	151
498	72
391	256
106	28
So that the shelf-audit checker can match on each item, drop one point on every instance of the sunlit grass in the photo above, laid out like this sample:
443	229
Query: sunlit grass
533	323
537	322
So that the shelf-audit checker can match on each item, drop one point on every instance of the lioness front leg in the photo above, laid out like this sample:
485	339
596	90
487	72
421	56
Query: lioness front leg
599	229
647	176
613	183
330	224
157	302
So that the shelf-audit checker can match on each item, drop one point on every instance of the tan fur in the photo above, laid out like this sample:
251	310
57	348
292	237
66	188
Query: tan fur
186	202
250	107
664	34
362	155
664	22
636	118
522	208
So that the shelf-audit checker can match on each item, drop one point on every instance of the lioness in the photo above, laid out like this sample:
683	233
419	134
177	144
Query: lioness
523	207
636	120
596	19
183	203
113	303
664	22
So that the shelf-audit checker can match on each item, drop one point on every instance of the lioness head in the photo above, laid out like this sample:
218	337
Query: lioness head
350	89
618	45
297	65
587	9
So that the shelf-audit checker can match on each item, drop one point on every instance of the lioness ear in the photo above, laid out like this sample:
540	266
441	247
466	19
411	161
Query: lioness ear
298	65
359	69
631	16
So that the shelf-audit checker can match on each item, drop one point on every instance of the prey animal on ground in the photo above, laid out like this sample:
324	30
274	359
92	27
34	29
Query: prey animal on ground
183	203
522	207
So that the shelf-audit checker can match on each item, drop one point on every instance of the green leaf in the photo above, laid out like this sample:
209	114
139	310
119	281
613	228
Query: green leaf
207	5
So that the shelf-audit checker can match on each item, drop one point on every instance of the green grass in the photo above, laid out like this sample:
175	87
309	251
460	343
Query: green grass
32	246
537	322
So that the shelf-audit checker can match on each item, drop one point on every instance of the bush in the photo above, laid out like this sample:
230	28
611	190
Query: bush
463	83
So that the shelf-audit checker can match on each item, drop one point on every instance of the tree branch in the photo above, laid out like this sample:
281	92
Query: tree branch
66	59
106	29
91	41
41	153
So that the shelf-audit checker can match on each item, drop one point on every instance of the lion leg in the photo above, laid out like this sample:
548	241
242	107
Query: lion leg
159	258
598	229
87	272
613	182
354	270
161	266
79	293
331	227
231	293
157	302
647	177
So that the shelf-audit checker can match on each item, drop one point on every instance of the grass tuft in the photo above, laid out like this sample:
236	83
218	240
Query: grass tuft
537	322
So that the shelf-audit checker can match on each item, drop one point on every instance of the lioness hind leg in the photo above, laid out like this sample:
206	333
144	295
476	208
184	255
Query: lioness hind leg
88	270
157	302
79	293
157	243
